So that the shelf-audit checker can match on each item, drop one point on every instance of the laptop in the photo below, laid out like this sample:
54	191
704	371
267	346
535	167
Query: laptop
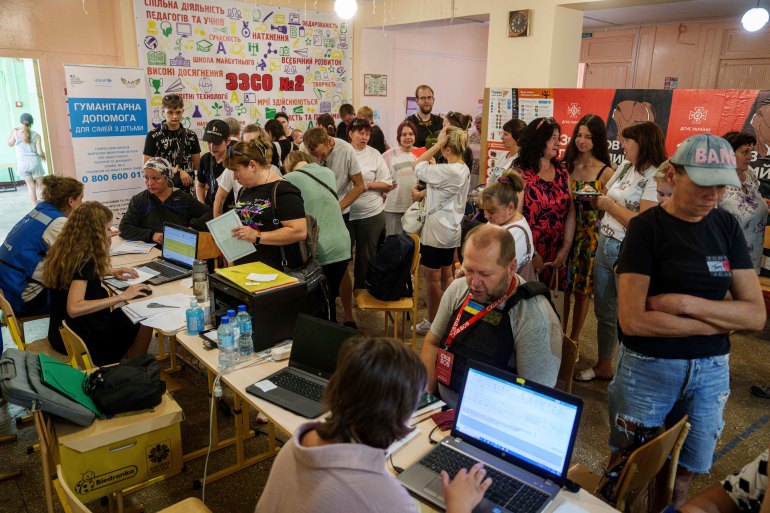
180	245
522	432
313	359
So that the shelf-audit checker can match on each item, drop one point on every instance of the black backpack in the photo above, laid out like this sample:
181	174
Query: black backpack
388	277
131	385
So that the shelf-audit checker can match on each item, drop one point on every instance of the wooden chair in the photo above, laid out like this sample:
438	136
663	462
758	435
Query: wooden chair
642	466
569	351
207	248
68	498
17	333
366	301
765	282
80	357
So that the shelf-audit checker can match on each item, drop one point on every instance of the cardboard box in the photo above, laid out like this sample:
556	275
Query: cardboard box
118	453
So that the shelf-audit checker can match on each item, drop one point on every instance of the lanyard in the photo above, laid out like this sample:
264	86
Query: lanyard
455	330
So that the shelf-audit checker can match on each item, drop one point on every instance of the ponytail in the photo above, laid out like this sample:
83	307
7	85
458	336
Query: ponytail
505	190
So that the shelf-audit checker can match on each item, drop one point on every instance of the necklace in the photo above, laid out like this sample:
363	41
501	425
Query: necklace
269	172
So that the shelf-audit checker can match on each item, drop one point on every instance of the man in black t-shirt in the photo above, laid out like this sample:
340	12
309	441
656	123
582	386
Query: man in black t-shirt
427	123
212	163
176	144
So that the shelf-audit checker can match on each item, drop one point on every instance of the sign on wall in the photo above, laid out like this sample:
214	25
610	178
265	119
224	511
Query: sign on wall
679	112
245	60
108	120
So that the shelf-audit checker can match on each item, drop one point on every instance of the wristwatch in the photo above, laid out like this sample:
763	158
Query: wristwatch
259	237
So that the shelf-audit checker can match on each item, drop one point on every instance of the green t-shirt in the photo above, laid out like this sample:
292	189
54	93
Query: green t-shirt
333	237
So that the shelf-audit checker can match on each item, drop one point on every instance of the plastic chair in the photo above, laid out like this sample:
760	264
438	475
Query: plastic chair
77	351
641	467
366	301
68	498
569	352
16	330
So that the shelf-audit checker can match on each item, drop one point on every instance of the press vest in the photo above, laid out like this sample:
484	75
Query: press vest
490	340
23	249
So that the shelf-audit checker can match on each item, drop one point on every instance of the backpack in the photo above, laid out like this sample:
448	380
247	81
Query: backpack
308	248
388	277
131	385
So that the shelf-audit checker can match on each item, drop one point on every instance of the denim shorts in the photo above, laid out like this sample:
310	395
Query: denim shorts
652	391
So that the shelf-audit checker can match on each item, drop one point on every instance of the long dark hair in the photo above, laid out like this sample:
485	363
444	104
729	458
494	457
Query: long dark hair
533	141
598	131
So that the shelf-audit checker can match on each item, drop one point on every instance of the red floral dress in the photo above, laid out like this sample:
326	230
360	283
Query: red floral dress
546	205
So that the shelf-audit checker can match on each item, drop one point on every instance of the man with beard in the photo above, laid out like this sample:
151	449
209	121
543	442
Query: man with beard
427	123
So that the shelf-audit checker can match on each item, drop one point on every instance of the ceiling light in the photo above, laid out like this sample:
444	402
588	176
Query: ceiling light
754	19
345	9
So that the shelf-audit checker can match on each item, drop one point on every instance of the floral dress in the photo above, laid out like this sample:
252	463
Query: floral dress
586	239
750	209
546	205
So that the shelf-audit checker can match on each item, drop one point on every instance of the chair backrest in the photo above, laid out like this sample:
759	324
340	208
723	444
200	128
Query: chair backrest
767	237
77	350
69	496
569	351
10	320
645	462
207	248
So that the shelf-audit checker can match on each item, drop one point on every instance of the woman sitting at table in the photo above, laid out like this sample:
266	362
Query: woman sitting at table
159	204
75	266
271	209
339	464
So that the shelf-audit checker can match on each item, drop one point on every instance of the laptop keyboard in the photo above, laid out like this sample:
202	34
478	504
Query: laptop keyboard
299	385
165	270
505	490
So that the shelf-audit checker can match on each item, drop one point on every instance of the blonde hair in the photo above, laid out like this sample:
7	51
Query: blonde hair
365	112
294	158
254	128
260	150
83	239
504	190
457	140
234	125
660	174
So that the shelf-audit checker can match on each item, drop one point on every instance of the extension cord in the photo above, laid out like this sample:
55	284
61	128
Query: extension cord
280	353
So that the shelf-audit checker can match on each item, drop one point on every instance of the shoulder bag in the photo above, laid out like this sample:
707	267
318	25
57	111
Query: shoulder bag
527	269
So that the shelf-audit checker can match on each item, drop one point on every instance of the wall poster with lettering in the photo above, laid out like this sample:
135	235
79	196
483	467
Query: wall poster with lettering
249	61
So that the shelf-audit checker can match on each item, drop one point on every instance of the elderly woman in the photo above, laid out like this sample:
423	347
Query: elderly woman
160	203
679	262
271	210
339	464
745	202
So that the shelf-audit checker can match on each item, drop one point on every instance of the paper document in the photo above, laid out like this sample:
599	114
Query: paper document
221	230
132	248
164	313
261	277
144	275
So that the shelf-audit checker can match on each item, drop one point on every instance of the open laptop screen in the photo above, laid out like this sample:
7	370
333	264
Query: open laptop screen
179	244
316	343
517	420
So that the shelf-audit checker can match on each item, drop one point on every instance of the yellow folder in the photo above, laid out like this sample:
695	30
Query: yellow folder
238	274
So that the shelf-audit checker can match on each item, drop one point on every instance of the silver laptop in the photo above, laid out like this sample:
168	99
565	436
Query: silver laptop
180	246
300	386
524	433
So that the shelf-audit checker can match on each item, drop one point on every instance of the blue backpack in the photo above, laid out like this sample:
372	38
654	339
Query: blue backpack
388	277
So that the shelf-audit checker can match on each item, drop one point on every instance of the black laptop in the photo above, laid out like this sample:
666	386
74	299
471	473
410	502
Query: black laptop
180	246
522	432
300	386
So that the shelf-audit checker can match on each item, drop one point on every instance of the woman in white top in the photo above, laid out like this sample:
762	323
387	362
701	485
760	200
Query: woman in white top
446	193
399	161
29	156
367	212
500	201
631	190
512	131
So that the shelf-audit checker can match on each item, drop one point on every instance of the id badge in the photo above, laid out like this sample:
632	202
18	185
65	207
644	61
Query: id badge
444	363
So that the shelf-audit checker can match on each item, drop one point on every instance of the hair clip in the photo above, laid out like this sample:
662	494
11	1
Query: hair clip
504	180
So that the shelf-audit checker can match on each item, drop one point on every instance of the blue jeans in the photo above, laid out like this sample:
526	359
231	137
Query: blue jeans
606	295
649	392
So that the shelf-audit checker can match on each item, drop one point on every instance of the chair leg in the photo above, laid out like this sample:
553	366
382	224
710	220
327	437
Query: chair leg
414	329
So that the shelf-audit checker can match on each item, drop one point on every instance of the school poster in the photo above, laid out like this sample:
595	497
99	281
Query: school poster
108	121
241	59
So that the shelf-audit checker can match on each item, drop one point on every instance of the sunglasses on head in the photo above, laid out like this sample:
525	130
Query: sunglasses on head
359	123
231	152
550	120
171	97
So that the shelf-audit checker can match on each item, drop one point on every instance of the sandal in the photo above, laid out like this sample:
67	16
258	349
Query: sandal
762	391
588	375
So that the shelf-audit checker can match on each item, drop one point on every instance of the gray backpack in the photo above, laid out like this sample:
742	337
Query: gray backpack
20	385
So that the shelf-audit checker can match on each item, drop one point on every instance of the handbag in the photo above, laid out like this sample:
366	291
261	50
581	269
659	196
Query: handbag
131	385
527	269
414	218
557	296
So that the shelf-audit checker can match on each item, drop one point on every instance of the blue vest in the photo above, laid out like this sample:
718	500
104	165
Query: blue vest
23	249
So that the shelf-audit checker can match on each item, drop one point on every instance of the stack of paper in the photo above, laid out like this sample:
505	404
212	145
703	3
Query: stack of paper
145	273
132	247
164	313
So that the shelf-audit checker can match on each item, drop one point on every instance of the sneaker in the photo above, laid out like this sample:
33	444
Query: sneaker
423	327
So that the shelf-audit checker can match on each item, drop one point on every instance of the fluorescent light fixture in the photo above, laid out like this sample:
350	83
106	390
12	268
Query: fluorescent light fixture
754	19
345	9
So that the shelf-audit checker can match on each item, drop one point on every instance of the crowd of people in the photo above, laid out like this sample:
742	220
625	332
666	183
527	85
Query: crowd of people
669	247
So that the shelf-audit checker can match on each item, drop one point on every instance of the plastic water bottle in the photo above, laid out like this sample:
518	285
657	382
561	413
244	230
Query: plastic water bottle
236	333
226	344
245	343
194	316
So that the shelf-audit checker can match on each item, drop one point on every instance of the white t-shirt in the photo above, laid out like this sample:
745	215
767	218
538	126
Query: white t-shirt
447	189
342	161
520	238
227	181
402	174
373	169
627	190
502	164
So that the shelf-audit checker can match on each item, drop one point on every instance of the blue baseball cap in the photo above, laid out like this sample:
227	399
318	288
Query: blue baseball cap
708	160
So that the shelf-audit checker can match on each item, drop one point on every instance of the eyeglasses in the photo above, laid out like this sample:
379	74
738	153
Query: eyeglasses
425	98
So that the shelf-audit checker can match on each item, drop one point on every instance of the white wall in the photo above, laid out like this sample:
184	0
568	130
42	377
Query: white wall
451	58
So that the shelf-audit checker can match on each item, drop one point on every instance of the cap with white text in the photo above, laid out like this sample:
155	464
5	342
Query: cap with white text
216	131
708	160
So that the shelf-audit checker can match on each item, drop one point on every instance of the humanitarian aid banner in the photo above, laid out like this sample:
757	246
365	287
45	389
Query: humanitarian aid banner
228	58
108	120
680	113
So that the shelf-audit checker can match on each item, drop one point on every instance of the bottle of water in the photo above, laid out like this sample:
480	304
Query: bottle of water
236	332
194	316
226	344
245	343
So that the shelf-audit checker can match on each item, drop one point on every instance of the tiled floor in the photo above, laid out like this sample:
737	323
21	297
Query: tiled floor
746	432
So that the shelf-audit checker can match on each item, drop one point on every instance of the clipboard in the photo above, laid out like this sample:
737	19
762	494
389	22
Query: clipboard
67	380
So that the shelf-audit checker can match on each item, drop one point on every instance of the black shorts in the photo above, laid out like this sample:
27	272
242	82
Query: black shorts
436	258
